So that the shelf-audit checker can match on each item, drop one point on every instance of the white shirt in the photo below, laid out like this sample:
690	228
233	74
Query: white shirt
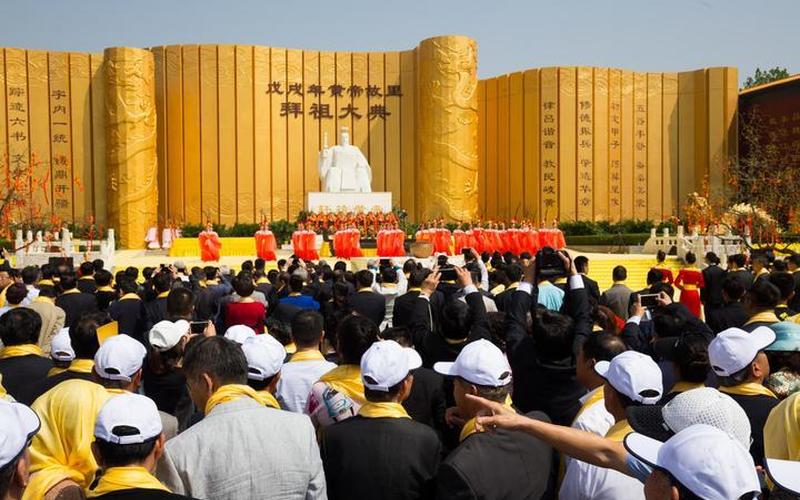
296	380
33	292
594	418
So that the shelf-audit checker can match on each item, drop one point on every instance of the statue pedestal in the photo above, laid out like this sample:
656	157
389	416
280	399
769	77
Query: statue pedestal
349	202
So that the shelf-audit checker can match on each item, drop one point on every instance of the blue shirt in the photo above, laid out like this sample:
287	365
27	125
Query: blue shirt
551	296
301	301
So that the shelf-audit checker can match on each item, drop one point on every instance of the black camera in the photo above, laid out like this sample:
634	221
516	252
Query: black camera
549	264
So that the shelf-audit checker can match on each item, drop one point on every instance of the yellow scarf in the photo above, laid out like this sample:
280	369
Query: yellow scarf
470	427
782	430
347	380
618	431
46	300
105	289
595	396
70	291
312	355
763	317
163	295
130	296
125	478
748	389
15	351
55	371
62	448
682	386
3	393
81	366
232	392
45	283
383	410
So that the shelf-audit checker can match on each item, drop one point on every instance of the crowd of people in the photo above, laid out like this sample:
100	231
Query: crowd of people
512	376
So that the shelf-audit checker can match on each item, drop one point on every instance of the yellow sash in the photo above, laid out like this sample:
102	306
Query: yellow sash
162	295
763	317
130	296
595	396
618	431
683	386
748	389
383	410
347	380
312	355
86	278
689	288
45	283
3	393
105	289
125	478
232	392
70	291
15	351
46	300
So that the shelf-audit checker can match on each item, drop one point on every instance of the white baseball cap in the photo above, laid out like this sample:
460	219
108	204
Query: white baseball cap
61	346
733	349
119	358
634	375
480	363
386	363
785	473
703	405
165	334
129	410
265	356
710	463
20	424
239	333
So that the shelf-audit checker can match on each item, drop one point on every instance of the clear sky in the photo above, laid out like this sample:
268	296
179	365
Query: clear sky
643	35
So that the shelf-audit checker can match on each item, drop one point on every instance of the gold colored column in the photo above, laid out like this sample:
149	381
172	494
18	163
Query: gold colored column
131	143
447	131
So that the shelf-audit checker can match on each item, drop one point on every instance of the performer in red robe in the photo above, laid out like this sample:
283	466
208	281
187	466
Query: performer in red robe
666	273
265	243
689	281
209	244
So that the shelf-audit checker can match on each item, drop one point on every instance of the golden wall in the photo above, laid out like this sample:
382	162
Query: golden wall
52	116
597	143
240	127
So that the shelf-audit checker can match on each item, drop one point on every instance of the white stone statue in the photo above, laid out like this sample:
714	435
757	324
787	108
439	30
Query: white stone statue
38	243
344	168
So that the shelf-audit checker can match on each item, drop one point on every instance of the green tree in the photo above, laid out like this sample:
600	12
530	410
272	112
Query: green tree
766	76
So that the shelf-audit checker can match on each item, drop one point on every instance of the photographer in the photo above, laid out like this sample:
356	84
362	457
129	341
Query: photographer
543	355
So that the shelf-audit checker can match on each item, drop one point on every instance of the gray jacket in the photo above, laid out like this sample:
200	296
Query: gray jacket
617	299
242	450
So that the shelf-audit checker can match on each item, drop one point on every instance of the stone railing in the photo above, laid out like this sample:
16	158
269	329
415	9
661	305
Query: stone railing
699	244
34	250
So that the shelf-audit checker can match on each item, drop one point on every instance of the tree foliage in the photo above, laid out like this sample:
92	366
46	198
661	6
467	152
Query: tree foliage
766	76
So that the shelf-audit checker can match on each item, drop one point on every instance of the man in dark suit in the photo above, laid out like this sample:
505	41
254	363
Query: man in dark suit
365	301
460	321
74	302
793	266
732	313
354	450
404	304
514	274
736	268
86	283
21	362
156	309
105	293
590	285
713	276
128	311
490	465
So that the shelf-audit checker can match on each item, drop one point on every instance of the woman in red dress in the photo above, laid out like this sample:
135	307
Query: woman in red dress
689	281
245	310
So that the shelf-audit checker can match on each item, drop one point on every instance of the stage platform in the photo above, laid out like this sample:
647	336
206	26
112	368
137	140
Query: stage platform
600	264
